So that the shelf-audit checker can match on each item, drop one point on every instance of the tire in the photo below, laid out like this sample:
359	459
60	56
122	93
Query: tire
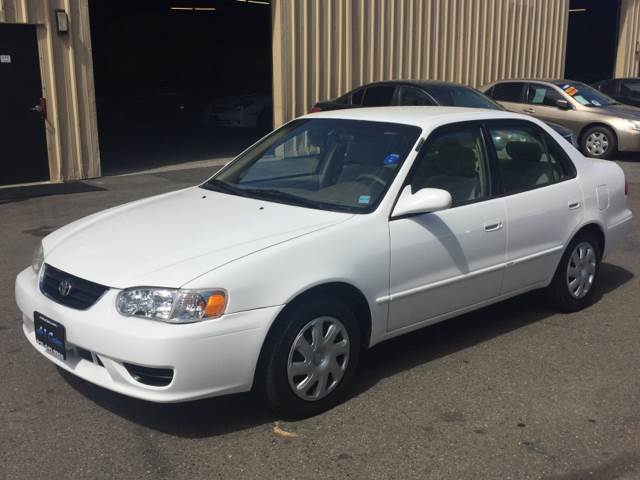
564	291
275	374
599	142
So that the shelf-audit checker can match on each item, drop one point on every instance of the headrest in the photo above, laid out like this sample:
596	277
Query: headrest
363	152
457	161
525	151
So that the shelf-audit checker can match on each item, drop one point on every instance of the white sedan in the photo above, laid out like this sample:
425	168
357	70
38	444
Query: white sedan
335	232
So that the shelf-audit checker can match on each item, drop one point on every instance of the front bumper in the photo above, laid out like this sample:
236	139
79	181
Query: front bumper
628	140
208	358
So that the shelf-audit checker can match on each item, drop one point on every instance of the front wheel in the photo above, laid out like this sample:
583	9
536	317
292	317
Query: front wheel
573	283
310	358
599	142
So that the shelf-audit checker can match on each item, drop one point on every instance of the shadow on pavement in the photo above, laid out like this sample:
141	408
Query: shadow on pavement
217	416
16	194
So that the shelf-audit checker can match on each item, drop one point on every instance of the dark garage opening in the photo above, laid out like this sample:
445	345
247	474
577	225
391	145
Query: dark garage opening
180	81
592	39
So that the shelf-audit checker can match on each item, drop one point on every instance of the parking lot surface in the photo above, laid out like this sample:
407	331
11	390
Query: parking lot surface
513	391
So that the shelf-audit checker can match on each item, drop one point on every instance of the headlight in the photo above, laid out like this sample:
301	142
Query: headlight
38	258
171	305
635	124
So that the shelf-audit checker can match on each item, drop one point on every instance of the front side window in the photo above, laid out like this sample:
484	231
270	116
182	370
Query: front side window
507	92
378	96
528	158
411	96
331	164
457	96
453	160
538	94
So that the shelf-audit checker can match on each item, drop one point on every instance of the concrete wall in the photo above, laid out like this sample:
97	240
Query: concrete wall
67	83
322	48
628	39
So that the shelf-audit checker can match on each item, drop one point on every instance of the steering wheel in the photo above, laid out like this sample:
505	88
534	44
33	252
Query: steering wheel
371	176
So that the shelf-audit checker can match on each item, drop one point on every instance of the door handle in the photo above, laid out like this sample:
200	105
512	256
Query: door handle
529	110
574	205
493	226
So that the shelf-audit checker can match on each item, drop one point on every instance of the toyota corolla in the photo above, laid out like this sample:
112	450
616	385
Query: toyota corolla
335	232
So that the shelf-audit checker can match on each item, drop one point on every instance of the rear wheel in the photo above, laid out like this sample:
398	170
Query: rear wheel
310	358
573	283
599	142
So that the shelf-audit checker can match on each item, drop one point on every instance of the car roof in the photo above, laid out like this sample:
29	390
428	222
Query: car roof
415	83
426	118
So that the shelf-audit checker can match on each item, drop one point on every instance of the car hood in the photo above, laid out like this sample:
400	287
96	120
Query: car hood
624	111
170	239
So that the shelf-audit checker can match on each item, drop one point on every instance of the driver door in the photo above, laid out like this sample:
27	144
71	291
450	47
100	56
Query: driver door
445	261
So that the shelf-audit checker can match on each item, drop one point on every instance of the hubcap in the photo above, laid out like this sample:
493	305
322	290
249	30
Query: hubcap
597	143
318	358
581	270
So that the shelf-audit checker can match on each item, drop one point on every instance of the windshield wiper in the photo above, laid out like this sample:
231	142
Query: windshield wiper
218	186
269	193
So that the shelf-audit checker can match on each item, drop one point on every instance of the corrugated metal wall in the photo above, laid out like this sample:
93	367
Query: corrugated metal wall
323	48
67	81
628	38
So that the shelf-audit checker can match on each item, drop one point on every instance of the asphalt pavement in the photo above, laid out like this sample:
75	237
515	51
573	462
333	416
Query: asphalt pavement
513	391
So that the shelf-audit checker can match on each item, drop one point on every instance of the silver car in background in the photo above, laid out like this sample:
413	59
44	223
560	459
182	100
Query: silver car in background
601	125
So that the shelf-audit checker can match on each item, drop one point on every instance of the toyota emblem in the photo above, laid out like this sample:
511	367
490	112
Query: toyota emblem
64	287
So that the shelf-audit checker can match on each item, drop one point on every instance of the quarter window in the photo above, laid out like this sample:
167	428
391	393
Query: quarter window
508	92
454	161
356	97
528	159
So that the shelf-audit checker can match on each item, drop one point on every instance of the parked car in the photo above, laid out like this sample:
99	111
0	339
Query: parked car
251	110
334	233
601	125
420	93
623	90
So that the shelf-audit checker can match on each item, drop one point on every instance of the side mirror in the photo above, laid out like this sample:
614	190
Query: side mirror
425	200
563	105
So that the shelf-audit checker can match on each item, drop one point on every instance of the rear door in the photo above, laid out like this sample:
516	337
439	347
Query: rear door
543	200
23	147
509	95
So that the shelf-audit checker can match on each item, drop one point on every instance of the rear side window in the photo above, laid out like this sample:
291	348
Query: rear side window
508	92
630	89
454	160
378	96
538	94
528	158
413	96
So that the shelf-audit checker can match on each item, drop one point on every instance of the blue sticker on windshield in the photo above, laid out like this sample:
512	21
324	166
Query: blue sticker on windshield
364	199
392	159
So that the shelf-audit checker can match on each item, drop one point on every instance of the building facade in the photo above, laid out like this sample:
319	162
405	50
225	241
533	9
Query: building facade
320	49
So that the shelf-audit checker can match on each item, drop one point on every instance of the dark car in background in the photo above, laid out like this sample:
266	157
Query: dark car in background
623	90
420	93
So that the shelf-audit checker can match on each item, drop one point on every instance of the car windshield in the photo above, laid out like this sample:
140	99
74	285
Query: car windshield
586	95
330	164
453	96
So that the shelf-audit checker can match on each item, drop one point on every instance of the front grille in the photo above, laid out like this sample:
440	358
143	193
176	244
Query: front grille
82	294
156	377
